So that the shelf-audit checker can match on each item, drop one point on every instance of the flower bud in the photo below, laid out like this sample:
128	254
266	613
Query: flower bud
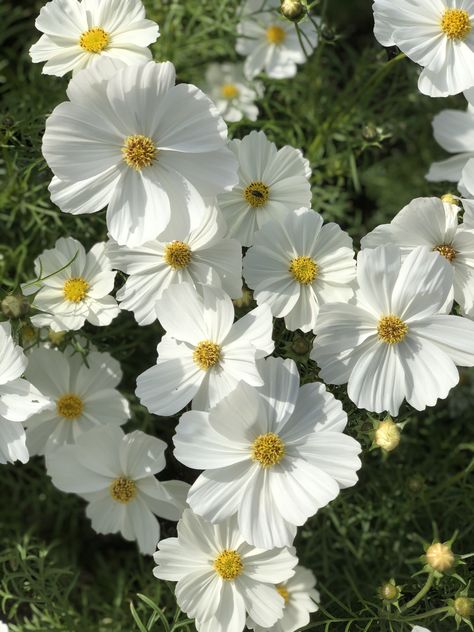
389	592
463	606
292	10
15	306
245	299
300	346
387	435
56	337
440	557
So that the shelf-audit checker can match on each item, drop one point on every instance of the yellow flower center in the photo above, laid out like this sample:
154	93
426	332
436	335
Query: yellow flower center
139	151
268	449
450	199
206	354
275	34
304	270
229	91
446	251
456	24
75	290
123	490
391	329
228	564
257	194
69	406
94	40
177	255
283	591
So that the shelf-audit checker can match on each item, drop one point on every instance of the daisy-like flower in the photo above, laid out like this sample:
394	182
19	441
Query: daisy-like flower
73	286
132	141
79	32
454	131
432	223
19	399
274	457
3	627
233	95
84	395
270	43
468	217
204	354
272	183
297	265
395	343
301	598
220	576
436	34
418	628
199	256
115	472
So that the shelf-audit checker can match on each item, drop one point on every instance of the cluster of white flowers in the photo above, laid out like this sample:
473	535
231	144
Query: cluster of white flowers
182	200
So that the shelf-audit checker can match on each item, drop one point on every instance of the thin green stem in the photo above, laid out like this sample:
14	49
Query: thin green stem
419	596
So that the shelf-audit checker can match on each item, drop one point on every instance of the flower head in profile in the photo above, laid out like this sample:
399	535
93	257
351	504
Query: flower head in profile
73	287
274	456
232	93
270	43
301	598
84	395
436	34
297	265
77	33
221	577
432	223
204	354
115	473
453	130
200	256
19	400
131	140
396	342
272	183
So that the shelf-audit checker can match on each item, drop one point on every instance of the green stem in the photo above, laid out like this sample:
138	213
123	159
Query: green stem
420	594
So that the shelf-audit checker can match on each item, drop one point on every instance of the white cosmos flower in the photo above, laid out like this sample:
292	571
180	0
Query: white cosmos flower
233	95
84	395
71	294
79	33
204	354
418	628
131	140
273	456
3	627
198	256
432	223
297	265
272	183
468	217
270	42
454	131
393	343
115	472
301	599
19	399
220	576
436	34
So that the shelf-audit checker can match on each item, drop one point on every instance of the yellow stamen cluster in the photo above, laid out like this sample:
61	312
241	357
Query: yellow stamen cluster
446	251
69	406
229	91
450	199
268	449
257	194
94	40
206	354
303	269
177	255
283	591
456	24
275	34
391	329
139	151
228	564
75	290
123	490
